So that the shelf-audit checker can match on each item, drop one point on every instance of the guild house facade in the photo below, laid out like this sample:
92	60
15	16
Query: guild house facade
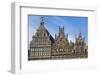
44	46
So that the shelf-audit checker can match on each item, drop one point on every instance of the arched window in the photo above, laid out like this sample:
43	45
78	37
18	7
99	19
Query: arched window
82	43
44	34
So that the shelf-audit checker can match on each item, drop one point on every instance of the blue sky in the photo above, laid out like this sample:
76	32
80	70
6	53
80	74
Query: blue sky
72	25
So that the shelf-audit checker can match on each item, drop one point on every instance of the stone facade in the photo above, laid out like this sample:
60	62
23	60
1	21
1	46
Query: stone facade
44	46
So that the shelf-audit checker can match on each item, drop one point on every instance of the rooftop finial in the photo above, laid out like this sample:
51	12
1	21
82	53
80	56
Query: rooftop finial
42	21
41	27
63	28
80	35
42	18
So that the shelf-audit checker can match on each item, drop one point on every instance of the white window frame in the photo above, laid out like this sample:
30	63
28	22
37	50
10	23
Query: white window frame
18	58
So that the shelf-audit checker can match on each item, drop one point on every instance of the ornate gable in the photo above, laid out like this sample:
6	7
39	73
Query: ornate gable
61	44
42	36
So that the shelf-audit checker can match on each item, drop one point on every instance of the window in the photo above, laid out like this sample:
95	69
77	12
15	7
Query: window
41	53
31	49
37	34
57	50
34	53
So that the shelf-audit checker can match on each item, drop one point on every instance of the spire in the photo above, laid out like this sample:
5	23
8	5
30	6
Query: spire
55	36
41	27
61	32
80	35
61	29
42	20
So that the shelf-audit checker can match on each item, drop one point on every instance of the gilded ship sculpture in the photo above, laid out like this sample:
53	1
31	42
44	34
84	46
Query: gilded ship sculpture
44	46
